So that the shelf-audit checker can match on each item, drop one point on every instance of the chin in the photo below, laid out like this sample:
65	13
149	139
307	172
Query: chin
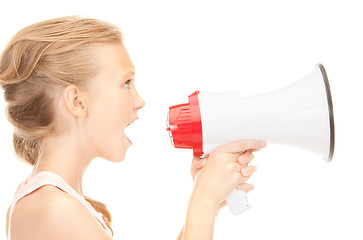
114	156
118	158
117	152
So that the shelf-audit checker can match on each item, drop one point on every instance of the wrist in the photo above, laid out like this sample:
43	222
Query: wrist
202	200
200	219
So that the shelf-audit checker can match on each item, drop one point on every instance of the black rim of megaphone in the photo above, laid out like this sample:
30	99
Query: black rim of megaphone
331	112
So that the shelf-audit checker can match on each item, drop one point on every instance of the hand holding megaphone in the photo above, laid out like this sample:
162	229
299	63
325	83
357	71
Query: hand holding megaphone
225	170
299	115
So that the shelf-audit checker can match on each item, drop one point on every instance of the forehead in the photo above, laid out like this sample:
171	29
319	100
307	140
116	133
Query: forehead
113	59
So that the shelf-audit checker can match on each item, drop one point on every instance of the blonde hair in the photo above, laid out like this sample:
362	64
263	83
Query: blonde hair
40	59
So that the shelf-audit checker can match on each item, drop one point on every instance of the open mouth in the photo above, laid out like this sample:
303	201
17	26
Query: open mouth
129	130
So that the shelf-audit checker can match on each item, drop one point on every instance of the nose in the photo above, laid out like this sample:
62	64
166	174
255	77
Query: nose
139	102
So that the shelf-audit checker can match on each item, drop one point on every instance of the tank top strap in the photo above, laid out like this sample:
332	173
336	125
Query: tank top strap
51	179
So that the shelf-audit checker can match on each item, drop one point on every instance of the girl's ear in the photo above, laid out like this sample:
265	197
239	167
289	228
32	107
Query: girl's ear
75	101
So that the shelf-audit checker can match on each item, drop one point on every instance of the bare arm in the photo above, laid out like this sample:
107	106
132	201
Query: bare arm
200	219
218	177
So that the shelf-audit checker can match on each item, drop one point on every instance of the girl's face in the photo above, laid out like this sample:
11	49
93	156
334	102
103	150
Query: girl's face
113	103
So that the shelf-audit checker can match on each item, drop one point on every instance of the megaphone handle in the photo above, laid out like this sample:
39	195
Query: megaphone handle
237	202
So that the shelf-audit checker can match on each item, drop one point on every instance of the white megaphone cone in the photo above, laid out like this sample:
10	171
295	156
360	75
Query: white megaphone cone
300	115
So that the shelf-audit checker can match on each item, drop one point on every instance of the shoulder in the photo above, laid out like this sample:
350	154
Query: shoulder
49	213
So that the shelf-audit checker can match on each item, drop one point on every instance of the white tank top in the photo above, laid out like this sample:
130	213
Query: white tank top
51	179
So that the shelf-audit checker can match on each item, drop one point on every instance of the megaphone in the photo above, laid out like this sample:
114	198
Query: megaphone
300	115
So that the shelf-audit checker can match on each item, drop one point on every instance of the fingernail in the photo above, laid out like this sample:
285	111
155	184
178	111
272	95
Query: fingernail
245	172
242	160
263	144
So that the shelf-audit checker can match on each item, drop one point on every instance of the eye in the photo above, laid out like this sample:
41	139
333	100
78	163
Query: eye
127	83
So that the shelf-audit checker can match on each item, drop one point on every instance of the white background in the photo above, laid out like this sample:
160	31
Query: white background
250	46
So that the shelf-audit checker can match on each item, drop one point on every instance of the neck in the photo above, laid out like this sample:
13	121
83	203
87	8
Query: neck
64	157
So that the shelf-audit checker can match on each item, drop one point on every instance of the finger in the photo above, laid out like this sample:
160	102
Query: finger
242	146
243	179
197	162
245	158
248	171
222	204
253	150
245	187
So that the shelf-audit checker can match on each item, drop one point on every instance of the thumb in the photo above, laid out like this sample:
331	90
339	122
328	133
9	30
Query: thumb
197	162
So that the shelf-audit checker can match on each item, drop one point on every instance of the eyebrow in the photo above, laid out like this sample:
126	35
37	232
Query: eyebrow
127	74
131	71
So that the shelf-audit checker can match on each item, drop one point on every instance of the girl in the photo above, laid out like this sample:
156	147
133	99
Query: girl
70	93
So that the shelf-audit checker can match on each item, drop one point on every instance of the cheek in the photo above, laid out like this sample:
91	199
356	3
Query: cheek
110	110
107	122
105	128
